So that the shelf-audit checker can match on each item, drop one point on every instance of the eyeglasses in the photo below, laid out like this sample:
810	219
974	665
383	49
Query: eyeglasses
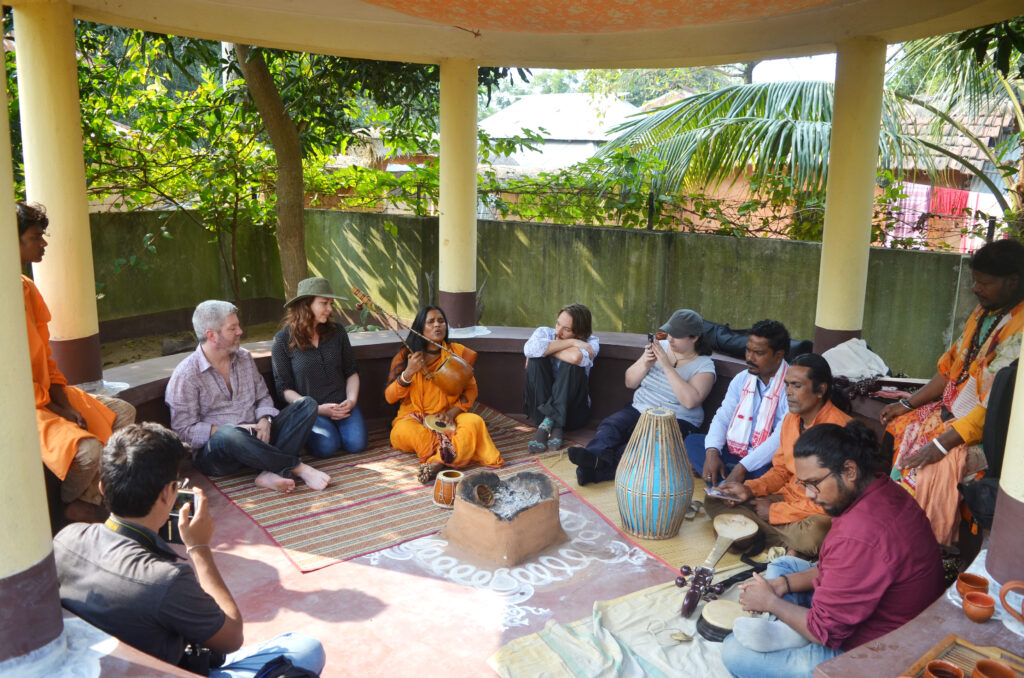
813	484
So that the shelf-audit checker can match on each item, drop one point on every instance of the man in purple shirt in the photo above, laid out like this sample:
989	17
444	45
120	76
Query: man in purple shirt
879	566
221	407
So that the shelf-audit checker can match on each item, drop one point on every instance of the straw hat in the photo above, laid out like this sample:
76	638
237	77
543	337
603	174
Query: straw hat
313	287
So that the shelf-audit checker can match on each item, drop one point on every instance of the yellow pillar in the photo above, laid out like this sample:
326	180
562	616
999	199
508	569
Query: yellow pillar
853	157
51	129
30	613
1006	548
457	205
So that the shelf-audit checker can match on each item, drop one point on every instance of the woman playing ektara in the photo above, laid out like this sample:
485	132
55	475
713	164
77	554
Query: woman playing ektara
412	383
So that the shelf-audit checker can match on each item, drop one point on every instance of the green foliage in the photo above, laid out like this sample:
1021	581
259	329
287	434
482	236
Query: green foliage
1001	43
195	150
642	85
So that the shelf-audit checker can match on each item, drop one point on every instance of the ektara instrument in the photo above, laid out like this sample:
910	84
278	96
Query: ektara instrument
451	376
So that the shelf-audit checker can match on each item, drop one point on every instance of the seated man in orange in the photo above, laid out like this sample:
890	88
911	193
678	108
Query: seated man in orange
73	426
776	501
412	382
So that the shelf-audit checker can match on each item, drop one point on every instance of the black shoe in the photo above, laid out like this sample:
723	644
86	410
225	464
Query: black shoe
585	458
584	476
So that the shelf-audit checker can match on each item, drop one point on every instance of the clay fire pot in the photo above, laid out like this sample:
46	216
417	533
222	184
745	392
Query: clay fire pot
942	669
979	607
989	668
971	582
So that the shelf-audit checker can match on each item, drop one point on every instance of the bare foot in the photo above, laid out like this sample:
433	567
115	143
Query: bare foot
428	472
315	478
80	511
272	481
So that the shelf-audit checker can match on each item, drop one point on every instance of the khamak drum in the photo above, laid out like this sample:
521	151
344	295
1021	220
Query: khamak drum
444	487
653	482
717	618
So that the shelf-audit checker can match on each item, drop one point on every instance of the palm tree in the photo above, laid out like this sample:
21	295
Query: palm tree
782	128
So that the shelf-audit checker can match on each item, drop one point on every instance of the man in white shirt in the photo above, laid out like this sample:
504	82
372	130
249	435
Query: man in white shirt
558	362
744	434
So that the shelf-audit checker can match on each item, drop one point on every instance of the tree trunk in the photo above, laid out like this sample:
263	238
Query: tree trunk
284	138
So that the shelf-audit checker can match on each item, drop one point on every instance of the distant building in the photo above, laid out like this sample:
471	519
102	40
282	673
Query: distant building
573	126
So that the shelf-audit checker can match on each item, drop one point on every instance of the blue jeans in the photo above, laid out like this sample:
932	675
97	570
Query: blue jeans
696	451
795	662
330	435
232	449
302	650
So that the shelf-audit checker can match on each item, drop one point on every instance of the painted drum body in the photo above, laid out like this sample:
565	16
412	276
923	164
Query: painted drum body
653	482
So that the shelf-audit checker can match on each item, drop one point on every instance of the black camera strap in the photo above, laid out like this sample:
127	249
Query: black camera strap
141	536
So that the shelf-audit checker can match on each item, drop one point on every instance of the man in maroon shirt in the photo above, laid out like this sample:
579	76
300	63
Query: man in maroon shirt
879	566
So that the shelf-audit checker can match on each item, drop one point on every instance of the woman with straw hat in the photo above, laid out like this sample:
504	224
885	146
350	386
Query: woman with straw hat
312	356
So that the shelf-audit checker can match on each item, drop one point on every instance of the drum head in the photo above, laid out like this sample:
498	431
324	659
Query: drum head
716	619
433	422
734	526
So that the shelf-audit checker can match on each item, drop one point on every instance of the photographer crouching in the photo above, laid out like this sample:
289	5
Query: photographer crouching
123	578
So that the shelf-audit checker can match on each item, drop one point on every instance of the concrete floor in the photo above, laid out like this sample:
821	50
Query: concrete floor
374	611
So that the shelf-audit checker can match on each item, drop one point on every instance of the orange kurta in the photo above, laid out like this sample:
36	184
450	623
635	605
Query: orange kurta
58	437
470	441
781	477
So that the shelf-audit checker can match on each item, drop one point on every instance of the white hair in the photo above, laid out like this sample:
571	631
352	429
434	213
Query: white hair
211	315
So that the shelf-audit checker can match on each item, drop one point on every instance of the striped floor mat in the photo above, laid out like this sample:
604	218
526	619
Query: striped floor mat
373	501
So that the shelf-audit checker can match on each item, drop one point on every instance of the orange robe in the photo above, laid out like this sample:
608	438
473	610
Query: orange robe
471	441
781	477
934	485
58	437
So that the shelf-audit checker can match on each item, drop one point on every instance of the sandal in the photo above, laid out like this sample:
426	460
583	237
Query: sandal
427	473
555	441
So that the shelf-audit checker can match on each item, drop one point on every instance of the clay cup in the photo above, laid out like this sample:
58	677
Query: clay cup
989	668
971	582
1015	585
979	607
942	669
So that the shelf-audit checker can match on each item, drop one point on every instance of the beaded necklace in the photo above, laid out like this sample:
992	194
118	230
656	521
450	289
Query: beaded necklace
977	341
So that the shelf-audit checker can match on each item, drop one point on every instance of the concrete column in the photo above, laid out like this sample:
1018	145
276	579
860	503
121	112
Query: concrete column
30	613
457	230
51	129
853	157
1006	547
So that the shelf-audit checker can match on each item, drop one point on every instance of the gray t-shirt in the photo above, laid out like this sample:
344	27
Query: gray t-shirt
145	597
655	391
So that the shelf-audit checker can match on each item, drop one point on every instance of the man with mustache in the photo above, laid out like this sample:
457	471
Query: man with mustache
776	501
744	434
938	429
879	566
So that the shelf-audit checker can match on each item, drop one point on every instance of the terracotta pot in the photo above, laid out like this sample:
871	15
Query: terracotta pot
989	668
1015	585
979	607
971	582
942	669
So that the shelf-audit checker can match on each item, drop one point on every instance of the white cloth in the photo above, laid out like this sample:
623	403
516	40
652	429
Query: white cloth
754	419
855	361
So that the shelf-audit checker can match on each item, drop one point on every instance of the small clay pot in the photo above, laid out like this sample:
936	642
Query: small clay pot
1008	587
990	668
942	669
979	607
971	582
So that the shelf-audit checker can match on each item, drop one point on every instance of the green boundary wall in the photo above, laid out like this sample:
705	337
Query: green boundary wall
631	279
